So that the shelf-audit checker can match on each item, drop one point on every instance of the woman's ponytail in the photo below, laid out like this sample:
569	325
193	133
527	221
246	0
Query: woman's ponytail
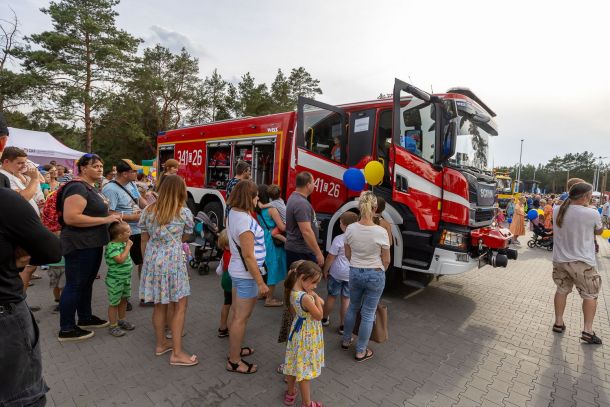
577	191
367	204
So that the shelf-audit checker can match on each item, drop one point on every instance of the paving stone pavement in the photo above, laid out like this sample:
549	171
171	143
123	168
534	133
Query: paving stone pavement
478	339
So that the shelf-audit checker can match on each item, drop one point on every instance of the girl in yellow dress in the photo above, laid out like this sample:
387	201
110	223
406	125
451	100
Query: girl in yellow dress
305	347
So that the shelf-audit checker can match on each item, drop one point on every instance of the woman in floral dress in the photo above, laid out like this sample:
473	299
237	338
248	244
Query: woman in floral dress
165	225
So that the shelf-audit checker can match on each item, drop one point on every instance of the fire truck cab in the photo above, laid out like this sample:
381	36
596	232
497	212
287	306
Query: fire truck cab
440	198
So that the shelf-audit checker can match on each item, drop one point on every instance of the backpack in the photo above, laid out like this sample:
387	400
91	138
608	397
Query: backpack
52	211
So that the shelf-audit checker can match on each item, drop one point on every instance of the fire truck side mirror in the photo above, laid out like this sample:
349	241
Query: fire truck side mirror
446	131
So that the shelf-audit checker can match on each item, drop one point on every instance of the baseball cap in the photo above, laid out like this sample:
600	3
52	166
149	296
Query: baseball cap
127	165
564	196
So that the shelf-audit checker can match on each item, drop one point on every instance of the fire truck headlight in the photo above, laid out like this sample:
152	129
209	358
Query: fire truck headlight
455	240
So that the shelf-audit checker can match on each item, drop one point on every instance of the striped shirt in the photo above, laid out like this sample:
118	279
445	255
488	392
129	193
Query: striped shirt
239	223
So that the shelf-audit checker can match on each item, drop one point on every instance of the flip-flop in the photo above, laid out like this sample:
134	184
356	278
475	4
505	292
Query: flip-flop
274	304
193	358
368	353
163	352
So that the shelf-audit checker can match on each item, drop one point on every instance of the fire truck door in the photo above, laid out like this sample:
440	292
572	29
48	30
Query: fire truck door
321	148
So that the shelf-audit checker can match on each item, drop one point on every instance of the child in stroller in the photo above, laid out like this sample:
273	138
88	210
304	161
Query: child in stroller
542	237
205	236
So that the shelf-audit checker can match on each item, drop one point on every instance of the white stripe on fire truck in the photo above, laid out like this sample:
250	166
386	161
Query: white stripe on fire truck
421	184
317	164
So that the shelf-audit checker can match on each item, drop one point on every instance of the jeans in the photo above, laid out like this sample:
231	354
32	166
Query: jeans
21	382
365	288
81	268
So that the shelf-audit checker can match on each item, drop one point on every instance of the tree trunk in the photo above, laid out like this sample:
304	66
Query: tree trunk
87	101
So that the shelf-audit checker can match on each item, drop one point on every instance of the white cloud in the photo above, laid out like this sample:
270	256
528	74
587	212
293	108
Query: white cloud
174	41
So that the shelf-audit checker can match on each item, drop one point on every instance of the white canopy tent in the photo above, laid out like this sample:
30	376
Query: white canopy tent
42	147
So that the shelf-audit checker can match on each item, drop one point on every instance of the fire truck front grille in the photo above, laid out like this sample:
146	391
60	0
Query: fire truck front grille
483	215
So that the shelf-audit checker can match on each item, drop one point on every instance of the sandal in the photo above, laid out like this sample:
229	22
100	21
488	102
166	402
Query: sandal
223	333
591	338
346	346
193	362
246	351
367	355
312	404
559	328
163	352
274	303
290	399
235	366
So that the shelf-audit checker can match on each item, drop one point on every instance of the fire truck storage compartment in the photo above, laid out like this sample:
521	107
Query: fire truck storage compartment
219	165
165	153
260	153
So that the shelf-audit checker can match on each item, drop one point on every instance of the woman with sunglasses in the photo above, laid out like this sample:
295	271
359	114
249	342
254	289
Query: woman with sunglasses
83	236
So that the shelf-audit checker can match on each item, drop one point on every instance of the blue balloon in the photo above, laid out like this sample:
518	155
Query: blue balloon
509	220
354	180
532	214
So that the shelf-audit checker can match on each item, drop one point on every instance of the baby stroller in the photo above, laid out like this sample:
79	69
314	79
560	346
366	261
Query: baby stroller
205	236
541	238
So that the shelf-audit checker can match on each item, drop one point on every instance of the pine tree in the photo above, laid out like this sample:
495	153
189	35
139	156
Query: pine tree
83	58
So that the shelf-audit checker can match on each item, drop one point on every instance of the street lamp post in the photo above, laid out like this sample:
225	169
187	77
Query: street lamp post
519	171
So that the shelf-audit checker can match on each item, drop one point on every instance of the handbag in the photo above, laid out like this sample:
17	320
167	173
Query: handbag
379	333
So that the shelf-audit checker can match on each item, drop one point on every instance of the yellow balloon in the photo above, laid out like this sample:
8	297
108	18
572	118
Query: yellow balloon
606	234
540	211
373	173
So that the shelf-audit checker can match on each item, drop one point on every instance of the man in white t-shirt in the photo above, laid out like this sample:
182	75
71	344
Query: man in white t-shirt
26	184
574	263
336	272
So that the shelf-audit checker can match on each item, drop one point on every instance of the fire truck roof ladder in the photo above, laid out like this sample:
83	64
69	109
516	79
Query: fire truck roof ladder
467	92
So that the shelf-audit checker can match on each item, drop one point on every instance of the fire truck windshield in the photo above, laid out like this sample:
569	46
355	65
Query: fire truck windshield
472	146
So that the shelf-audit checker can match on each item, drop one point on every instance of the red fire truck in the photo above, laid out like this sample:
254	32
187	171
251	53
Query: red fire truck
434	148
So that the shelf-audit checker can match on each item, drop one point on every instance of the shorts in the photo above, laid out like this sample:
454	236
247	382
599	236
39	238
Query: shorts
245	287
117	288
336	287
585	277
57	276
228	297
136	250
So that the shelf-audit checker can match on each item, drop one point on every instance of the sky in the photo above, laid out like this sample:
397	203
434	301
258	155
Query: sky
542	66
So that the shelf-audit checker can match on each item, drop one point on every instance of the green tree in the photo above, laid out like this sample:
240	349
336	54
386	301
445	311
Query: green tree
210	102
280	93
16	88
254	100
84	58
120	131
303	84
165	84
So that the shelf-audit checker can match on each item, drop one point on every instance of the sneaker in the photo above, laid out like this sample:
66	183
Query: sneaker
325	321
74	335
44	267
129	306
341	330
127	326
116	331
94	322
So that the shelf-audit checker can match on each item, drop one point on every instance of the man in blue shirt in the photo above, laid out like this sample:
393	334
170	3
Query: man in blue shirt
124	199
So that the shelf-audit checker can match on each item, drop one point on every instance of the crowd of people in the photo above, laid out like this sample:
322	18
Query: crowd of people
70	223
124	219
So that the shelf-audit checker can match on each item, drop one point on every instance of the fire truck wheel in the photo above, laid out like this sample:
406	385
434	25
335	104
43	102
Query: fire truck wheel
214	211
